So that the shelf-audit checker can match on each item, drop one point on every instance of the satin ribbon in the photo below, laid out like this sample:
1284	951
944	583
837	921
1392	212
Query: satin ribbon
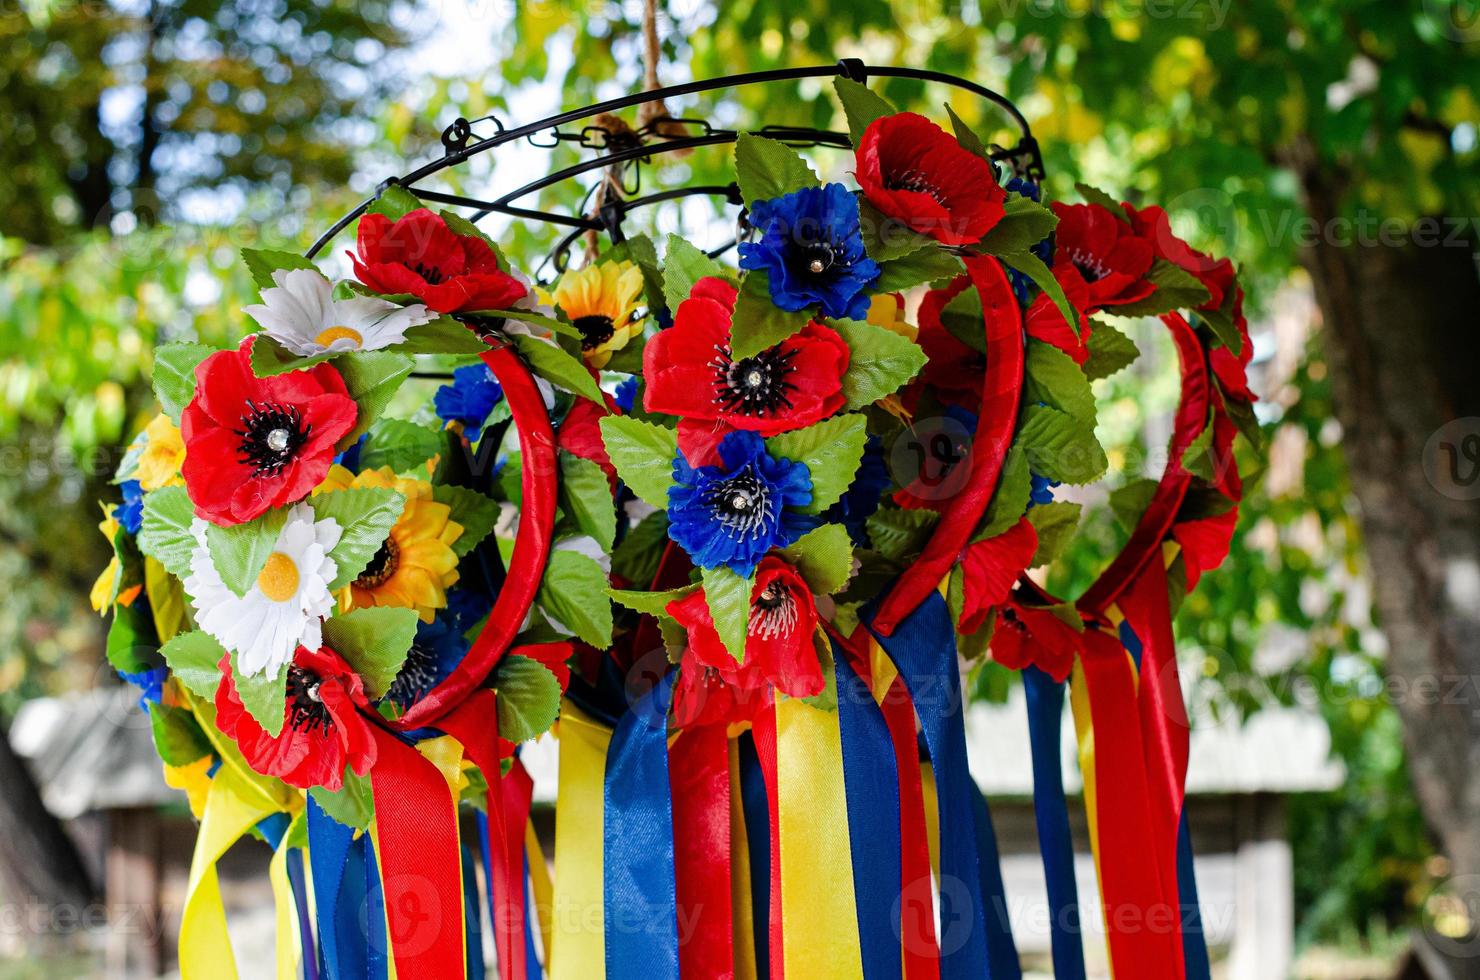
578	950
873	799
541	887
349	905
289	947
741	886
756	805
699	774
819	911
638	877
472	916
1045	698
763	731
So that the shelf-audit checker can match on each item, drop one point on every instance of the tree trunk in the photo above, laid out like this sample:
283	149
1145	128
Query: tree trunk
39	864
1404	358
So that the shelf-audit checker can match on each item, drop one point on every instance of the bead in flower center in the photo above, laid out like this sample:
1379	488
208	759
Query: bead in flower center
819	257
773	612
278	580
741	503
306	708
270	436
595	329
382	565
753	385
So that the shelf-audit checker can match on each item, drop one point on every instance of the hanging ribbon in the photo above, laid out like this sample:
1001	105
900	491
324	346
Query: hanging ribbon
541	887
1045	698
699	774
756	804
578	949
741	884
763	730
348	905
472	915
637	844
289	946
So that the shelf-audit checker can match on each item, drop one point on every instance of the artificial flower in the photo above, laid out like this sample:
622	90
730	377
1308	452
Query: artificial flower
954	371
779	648
734	513
419	254
1040	489
301	314
887	310
580	434
1045	321
162	456
601	301
194	780
859	502
415	565
469	400
1205	542
101	595
812	252
913	171
130	513
325	727
438	647
1232	369
689	371
989	570
283	608
1034	635
1108	253
257	443
1154	225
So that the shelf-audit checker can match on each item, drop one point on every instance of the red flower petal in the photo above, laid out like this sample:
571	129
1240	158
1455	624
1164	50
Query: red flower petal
913	171
991	568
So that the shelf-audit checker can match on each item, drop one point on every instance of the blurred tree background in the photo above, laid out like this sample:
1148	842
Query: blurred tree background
142	143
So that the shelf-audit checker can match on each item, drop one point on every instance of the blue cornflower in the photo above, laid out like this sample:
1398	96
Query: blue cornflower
626	395
350	458
469	399
438	647
860	501
1041	489
150	684
130	513
811	248
1044	249
734	513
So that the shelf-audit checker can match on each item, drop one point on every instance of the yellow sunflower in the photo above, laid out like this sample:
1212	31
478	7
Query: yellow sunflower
887	310
416	565
164	451
600	300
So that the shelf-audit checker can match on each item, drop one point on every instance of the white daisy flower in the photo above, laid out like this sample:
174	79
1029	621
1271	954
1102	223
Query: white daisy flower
284	608
301	313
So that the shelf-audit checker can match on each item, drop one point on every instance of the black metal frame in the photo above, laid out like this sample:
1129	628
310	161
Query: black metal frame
626	151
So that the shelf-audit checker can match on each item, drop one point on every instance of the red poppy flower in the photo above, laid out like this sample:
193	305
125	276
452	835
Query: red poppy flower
420	255
779	650
990	568
690	373
1205	542
1153	225
953	370
253	443
1045	322
1232	369
1033	635
325	726
580	434
1109	254
912	170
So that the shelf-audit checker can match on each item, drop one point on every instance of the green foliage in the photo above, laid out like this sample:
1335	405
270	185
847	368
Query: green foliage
767	169
573	590
728	596
365	516
830	450
374	641
240	551
643	454
880	361
475	512
528	698
824	557
759	323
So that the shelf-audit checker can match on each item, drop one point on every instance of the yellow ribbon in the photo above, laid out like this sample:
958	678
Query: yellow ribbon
539	883
579	946
289	949
819	917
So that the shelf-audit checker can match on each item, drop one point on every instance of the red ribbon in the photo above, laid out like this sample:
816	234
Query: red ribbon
1001	389
916	907
699	776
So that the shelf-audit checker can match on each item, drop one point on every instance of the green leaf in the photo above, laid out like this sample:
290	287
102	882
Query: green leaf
1032	266
886	238
1055	523
574	592
1110	350
1197	458
240	551
365	516
264	696
831	451
194	659
861	105
1061	447
586	496
399	444
528	698
922	265
759	323
1242	414
133	644
559	368
637	557
372	379
374	641
178	737
1011	499
966	136
898	534
1176	289
1094	195
352	805
652	603
643	454
164	531
1025	224
767	169
270	358
395	202
475	512
880	361
262	263
538	319
728	596
1052	377
824	557
1221	323
683	265
640	249
963	319
174	375
444	335
1129	502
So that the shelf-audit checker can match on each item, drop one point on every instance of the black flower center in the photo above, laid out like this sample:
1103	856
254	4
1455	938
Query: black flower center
382	565
817	258
417	676
753	385
741	503
1089	265
773	612
433	275
916	181
595	329
306	709
271	435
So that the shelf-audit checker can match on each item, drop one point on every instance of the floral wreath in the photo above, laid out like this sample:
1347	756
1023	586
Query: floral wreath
348	603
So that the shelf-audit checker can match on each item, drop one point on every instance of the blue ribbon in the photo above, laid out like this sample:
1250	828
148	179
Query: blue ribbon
350	907
756	807
472	922
639	893
533	971
1001	949
871	782
923	649
1051	811
298	880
